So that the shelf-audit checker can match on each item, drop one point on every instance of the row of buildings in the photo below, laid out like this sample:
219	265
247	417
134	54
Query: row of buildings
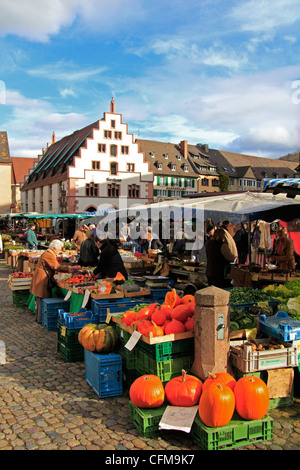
103	164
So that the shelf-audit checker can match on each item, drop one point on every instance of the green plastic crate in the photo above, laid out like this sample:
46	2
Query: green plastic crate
236	433
70	353
129	376
67	336
146	420
20	297
165	370
168	350
128	357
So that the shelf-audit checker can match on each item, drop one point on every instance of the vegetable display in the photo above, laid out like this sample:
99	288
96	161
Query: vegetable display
156	320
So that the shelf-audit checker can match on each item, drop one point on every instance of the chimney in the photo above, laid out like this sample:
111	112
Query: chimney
53	137
112	106
184	148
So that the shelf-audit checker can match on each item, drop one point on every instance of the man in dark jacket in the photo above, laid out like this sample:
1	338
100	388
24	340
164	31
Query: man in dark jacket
89	252
110	261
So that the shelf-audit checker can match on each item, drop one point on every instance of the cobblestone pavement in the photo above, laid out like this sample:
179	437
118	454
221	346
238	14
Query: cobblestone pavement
46	403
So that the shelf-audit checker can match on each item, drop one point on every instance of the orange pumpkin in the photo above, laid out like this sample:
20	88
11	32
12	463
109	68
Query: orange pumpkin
181	312
101	338
184	390
128	317
147	391
143	327
172	299
154	330
119	278
174	327
159	317
187	299
223	377
146	312
189	325
216	405
251	397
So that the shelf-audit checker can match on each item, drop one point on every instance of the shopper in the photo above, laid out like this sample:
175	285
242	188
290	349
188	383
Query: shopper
32	238
110	261
79	237
283	251
89	252
220	251
46	267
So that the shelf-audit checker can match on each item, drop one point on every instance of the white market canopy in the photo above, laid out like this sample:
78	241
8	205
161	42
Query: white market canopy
234	207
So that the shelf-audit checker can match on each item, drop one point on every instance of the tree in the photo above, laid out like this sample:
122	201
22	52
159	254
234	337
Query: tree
223	181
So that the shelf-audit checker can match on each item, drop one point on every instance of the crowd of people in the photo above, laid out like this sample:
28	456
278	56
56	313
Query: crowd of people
218	247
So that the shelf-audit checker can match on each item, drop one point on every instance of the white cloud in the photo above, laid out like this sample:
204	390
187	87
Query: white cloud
263	15
66	71
66	92
36	20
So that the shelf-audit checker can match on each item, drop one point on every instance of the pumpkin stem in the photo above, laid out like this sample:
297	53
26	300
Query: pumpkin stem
183	375
211	375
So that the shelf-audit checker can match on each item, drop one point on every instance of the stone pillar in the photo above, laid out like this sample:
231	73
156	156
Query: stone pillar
211	332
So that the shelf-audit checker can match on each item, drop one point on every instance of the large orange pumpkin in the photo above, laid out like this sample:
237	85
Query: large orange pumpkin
216	406
223	377
184	390
251	397
172	299
128	317
187	299
101	338
181	312
147	391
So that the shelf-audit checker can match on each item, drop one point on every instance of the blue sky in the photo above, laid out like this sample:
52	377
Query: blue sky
224	73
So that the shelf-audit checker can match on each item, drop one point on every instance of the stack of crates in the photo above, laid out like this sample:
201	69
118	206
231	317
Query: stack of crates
103	372
50	309
166	359
259	363
20	298
68	327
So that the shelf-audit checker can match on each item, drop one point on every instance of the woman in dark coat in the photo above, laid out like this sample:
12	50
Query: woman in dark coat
220	251
89	252
110	262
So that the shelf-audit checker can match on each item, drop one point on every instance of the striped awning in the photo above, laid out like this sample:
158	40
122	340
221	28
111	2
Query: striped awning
290	186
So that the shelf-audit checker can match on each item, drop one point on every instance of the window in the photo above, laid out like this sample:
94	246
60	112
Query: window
101	148
118	135
186	168
107	134
124	150
95	165
113	168
113	150
133	191
231	181
113	190
173	168
215	182
205	182
113	124
188	183
91	189
175	181
130	167
159	166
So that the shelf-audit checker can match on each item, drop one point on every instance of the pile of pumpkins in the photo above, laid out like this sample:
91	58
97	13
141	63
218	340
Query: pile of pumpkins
175	315
218	397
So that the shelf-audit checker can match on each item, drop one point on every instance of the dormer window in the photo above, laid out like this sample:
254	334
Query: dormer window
178	157
186	168
152	154
159	167
166	156
173	167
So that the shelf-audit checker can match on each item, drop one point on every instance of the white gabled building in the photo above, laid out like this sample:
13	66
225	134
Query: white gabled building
94	166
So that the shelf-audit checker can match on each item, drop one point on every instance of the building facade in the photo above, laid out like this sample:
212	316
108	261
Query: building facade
95	167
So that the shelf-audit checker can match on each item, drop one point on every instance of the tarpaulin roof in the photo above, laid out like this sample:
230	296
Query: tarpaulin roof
235	207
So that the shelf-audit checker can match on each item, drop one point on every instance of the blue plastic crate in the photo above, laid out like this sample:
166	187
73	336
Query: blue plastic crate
49	322
100	307
82	317
280	326
247	306
103	372
52	305
158	294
